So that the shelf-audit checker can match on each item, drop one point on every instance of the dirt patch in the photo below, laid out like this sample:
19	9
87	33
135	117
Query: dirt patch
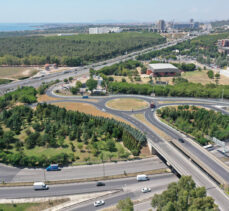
45	98
127	104
145	152
13	73
141	117
88	109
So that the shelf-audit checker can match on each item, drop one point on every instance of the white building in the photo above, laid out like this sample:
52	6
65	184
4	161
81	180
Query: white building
162	70
104	30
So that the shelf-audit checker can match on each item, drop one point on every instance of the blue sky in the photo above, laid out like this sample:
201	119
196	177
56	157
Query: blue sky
117	10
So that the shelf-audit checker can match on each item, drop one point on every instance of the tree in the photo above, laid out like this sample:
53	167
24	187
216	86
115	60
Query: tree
210	74
70	79
123	80
185	196
92	72
78	84
125	205
91	84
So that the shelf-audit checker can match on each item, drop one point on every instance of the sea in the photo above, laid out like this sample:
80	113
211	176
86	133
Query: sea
9	27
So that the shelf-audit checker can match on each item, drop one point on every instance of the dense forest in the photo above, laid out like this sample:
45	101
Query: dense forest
198	122
72	50
21	95
203	48
23	129
185	196
180	89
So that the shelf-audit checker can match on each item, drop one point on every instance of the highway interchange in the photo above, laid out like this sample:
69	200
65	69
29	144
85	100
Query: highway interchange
175	158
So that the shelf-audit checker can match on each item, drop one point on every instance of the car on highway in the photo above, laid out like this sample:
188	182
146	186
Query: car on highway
99	203
142	177
181	140
100	184
53	167
104	110
40	186
146	190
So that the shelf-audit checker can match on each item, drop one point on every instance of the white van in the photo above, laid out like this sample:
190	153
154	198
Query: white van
142	177
40	186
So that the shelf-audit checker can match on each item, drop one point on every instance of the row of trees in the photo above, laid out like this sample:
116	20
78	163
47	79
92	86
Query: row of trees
72	50
185	67
198	122
22	95
182	88
203	48
48	126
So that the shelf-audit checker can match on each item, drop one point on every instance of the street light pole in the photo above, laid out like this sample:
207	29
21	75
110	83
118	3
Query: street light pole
44	176
222	94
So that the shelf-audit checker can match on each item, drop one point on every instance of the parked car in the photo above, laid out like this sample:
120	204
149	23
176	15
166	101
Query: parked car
40	186
100	184
99	203
146	190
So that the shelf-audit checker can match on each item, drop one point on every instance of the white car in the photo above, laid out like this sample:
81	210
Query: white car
146	190
104	110
99	203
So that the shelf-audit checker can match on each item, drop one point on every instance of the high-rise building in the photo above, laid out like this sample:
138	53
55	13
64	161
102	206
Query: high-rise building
161	25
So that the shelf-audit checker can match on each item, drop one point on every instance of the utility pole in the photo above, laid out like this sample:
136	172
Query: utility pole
44	176
222	94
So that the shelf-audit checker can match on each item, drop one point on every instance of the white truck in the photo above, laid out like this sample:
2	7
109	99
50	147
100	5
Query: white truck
142	177
40	186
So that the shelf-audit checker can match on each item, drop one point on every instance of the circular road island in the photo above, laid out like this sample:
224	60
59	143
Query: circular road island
127	104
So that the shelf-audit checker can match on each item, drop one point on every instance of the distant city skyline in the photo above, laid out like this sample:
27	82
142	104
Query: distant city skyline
105	11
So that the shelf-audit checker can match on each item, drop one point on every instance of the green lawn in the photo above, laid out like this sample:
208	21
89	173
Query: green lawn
17	207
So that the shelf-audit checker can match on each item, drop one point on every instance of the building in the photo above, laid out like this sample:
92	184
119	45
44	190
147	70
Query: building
161	26
47	66
104	30
223	46
163	69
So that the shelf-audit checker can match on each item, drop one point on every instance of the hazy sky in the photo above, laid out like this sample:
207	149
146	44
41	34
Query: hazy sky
118	10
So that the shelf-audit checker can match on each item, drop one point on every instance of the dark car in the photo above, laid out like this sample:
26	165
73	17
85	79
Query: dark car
181	140
100	184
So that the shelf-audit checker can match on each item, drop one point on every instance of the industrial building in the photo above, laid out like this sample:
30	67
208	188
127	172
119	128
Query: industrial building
162	70
104	30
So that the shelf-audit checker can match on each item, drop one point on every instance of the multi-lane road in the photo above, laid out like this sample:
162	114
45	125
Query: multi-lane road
72	72
178	160
12	174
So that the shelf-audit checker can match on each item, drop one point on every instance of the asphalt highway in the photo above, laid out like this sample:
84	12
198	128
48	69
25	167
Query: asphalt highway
73	72
157	184
174	156
13	174
80	188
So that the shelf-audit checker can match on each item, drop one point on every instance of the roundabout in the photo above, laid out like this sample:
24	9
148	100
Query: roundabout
127	104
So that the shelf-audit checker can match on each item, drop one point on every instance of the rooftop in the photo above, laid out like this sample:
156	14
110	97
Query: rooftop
162	66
